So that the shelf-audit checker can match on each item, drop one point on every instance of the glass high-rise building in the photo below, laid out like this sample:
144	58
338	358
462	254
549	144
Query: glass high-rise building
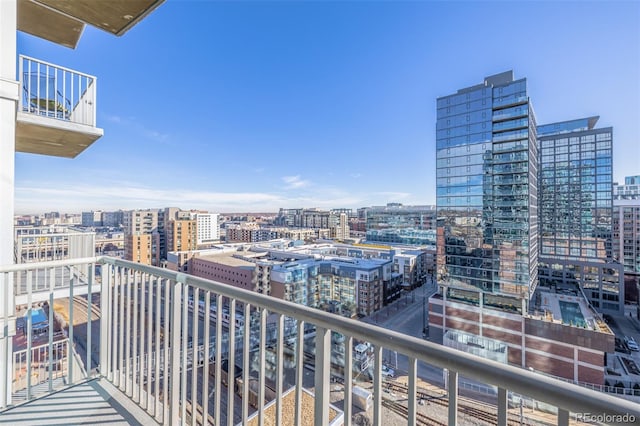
576	192
487	169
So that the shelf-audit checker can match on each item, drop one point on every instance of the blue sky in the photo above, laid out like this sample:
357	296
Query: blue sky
252	106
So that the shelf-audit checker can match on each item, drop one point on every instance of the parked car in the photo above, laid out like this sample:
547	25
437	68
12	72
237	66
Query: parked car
631	343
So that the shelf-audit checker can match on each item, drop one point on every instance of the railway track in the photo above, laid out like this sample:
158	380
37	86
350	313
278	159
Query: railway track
95	309
421	419
482	412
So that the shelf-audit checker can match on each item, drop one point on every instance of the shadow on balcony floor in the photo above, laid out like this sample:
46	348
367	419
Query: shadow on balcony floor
95	402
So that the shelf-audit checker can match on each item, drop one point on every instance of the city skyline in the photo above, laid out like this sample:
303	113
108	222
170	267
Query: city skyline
318	104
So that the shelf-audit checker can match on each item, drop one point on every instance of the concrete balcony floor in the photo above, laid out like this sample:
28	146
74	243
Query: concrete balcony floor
95	402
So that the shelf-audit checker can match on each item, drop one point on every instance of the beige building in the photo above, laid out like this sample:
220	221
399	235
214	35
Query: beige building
141	238
182	234
140	248
339	227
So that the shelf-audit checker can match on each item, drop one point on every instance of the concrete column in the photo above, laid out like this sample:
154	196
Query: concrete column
9	90
8	103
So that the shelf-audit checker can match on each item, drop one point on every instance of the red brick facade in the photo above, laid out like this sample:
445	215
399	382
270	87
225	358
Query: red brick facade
590	357
549	347
462	314
502	322
554	342
590	375
554	367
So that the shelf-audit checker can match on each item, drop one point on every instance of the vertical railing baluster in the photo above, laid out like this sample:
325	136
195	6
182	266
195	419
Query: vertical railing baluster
206	339
121	332
144	330
55	91
563	417
52	274
196	353
156	349
261	372
29	330
94	99
166	351
64	86
218	360
116	325
38	93
73	102
136	361
78	108
127	330
231	365
174	407
279	368
348	383
148	358
245	362
453	397
183	370
89	345
322	376
412	395
106	318
299	372
503	406
71	348
21	97
377	385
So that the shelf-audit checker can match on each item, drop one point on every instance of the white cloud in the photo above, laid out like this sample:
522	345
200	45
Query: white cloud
69	197
294	182
74	198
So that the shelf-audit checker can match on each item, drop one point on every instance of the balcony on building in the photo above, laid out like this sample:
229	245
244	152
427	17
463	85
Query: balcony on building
56	111
141	345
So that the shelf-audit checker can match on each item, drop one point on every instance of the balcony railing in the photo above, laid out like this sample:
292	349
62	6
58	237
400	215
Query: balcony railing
56	92
140	328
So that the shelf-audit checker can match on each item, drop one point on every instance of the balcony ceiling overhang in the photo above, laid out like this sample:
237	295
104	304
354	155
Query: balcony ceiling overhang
62	22
56	138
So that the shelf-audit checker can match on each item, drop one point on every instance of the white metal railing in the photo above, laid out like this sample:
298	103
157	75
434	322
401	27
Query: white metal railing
43	347
45	246
56	92
147	327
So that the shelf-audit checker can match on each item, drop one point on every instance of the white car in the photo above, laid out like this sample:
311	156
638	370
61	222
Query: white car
388	372
631	343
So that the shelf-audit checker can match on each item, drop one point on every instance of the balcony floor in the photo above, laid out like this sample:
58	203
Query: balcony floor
95	402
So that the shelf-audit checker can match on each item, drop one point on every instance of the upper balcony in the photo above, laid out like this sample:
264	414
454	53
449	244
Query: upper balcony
57	110
143	345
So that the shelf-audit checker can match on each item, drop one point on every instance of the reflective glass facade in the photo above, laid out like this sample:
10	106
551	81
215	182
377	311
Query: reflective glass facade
487	187
398	216
576	193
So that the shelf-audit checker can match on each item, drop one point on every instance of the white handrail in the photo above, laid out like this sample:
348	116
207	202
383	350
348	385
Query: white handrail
567	397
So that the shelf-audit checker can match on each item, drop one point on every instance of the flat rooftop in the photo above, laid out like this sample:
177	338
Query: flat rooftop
226	259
